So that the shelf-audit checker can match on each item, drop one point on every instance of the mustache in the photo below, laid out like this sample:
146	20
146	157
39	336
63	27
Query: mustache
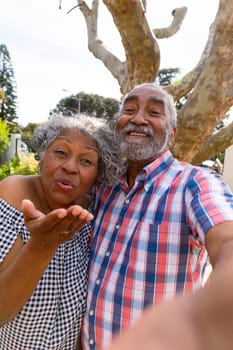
147	130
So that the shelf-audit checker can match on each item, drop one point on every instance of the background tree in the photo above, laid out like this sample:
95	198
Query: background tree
92	104
167	75
27	133
8	86
99	106
208	87
4	135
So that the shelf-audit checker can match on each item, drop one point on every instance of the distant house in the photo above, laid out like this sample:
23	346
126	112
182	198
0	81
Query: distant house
15	148
24	148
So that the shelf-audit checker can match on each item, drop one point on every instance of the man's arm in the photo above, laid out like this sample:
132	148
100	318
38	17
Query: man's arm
200	321
218	242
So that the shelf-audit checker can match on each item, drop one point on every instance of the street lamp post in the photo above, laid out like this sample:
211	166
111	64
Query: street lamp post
79	105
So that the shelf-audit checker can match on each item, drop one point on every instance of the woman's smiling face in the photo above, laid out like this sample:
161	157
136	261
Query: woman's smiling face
69	168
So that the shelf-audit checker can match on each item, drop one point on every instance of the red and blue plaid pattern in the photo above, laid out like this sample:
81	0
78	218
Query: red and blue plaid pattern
148	242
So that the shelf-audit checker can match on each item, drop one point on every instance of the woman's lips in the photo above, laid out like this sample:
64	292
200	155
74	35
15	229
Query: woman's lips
64	184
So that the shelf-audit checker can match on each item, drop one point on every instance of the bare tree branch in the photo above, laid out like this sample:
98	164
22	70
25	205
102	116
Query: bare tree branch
215	144
209	85
178	17
95	44
136	37
188	81
212	95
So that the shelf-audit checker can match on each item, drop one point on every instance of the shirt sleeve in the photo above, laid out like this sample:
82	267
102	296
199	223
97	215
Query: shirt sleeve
209	201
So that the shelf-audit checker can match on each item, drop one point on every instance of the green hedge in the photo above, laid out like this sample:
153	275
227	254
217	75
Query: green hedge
23	165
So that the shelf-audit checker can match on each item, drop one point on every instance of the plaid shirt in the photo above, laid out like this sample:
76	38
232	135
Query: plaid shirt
148	242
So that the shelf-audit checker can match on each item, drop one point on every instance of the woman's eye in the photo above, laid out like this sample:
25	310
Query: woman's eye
60	152
87	161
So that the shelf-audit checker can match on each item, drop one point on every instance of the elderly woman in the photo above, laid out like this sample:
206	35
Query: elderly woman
43	256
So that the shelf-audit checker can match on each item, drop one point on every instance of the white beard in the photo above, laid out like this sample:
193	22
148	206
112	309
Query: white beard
151	148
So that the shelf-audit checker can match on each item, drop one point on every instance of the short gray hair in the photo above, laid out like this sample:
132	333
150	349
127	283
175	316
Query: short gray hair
110	165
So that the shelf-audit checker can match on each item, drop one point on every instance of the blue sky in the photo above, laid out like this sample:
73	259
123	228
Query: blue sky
49	50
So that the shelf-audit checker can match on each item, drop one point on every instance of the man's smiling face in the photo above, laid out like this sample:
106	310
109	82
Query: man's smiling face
143	127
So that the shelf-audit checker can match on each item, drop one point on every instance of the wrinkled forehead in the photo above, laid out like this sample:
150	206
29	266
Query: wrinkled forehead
76	135
147	93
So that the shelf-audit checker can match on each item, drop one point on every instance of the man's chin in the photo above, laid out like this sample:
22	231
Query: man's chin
138	154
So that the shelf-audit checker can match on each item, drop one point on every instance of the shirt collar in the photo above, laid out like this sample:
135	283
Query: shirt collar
152	170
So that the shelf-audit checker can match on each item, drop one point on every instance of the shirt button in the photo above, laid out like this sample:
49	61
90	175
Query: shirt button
91	341
117	226
97	281
91	312
146	188
107	254
127	201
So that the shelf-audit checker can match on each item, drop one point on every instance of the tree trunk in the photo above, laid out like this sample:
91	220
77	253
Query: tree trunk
209	85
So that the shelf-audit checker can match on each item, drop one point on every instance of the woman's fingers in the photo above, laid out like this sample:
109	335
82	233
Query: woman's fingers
29	210
61	222
77	217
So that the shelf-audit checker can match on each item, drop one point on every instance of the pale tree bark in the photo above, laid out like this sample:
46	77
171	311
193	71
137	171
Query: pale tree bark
216	143
209	85
212	95
178	14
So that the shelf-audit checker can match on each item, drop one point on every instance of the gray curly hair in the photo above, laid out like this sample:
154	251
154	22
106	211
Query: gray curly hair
110	165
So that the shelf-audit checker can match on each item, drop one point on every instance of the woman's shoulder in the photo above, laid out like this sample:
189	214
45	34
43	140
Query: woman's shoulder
13	181
13	189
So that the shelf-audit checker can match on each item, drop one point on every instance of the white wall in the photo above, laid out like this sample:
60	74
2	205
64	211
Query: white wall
13	148
228	166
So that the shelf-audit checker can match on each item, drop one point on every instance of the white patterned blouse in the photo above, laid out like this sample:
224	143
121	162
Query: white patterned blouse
53	315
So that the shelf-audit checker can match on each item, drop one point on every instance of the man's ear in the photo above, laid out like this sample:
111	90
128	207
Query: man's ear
174	133
172	137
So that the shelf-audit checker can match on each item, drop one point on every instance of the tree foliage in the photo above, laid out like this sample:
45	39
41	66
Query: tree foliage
92	104
206	92
4	135
99	106
27	133
25	165
167	75
8	87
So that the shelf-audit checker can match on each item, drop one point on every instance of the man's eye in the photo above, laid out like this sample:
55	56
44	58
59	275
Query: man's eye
155	112
129	110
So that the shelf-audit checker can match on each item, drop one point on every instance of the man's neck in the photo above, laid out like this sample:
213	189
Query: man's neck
134	168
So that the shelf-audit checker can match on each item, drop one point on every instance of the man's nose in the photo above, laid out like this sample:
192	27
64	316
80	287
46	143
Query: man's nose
139	118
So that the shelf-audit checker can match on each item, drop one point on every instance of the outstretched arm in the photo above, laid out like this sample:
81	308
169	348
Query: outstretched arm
200	321
23	267
54	228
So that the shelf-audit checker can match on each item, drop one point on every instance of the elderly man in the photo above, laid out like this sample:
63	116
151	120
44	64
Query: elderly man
156	227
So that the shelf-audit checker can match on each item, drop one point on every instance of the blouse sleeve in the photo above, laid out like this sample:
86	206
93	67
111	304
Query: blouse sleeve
11	225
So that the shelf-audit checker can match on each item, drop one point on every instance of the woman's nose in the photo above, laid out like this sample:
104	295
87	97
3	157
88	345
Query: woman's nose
71	166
